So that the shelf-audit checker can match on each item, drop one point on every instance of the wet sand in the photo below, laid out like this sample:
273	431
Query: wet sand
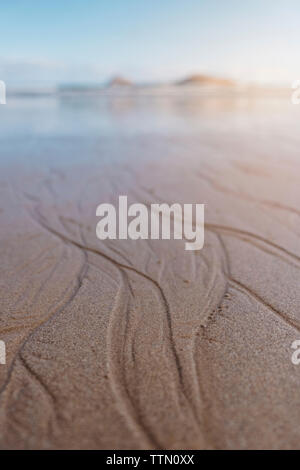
122	344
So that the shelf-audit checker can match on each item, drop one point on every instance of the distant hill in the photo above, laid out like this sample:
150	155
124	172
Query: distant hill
119	81
205	80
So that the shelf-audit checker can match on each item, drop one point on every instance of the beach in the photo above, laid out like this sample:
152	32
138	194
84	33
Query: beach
140	344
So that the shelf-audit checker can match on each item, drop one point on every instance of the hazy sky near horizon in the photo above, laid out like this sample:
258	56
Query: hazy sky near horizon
145	40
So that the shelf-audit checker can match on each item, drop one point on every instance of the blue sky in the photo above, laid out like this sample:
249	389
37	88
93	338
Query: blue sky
90	40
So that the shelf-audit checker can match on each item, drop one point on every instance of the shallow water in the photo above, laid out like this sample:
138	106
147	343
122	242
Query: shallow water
100	115
67	129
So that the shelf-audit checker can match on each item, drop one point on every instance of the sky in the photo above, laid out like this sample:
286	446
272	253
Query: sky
148	40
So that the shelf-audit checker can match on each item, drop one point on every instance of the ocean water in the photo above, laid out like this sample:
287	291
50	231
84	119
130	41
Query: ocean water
96	114
68	128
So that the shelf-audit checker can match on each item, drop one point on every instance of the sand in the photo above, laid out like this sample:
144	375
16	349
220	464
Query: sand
123	344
